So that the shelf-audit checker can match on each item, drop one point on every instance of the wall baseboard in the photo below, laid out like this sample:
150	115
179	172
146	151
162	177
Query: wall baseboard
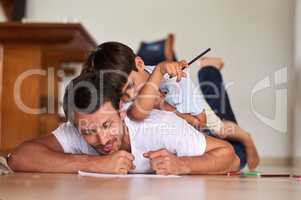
276	161
297	162
281	162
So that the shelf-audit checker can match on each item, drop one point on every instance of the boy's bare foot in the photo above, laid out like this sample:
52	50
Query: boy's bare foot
252	156
212	61
169	50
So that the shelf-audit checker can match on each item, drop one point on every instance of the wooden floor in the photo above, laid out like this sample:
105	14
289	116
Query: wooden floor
68	187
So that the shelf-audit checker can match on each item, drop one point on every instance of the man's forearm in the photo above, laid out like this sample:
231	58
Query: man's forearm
35	157
217	161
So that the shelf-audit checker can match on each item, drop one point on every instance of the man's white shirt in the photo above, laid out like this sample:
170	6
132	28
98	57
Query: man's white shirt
160	130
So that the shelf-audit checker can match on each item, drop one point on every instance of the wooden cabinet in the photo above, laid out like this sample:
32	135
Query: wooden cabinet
30	53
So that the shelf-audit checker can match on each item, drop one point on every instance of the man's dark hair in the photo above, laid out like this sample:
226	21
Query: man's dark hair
114	59
87	93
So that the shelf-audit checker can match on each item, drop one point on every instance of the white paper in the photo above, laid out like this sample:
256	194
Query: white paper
81	173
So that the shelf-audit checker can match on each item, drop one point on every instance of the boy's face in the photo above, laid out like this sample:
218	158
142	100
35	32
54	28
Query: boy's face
102	129
135	82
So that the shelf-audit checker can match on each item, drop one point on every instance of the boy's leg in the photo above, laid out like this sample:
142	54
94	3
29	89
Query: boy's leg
213	89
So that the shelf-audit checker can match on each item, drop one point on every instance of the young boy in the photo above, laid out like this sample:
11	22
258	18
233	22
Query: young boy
166	86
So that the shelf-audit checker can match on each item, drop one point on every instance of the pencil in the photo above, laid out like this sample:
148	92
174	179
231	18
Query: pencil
274	175
196	58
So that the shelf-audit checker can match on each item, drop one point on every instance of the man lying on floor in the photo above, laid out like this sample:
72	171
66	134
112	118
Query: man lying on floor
98	138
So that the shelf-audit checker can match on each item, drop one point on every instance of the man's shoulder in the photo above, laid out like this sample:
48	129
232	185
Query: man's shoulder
162	115
71	140
156	117
66	127
67	131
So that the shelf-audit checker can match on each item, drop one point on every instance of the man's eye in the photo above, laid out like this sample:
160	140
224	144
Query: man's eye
107	125
84	132
89	132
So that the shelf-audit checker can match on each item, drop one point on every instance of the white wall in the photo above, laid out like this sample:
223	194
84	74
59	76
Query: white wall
254	37
297	113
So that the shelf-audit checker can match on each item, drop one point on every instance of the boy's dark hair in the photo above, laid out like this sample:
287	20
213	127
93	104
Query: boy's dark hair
114	59
87	93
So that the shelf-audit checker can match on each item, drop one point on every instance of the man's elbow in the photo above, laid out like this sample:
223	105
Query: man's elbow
21	156
232	159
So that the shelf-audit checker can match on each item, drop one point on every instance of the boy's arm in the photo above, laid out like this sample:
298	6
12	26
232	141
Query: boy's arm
147	97
225	129
219	158
149	94
46	155
232	131
197	122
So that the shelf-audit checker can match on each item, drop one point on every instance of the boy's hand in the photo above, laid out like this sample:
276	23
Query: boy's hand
173	69
202	119
163	162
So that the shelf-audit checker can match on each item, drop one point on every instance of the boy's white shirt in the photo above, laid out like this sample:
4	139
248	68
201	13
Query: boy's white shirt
186	97
183	95
160	130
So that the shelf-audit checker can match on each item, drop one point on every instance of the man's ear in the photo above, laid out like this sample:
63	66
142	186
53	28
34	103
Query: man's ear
139	63
122	111
122	114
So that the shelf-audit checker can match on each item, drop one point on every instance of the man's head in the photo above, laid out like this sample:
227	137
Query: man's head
126	69
93	108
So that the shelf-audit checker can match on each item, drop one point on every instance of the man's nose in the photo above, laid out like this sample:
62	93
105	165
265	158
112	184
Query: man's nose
103	138
131	93
125	97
